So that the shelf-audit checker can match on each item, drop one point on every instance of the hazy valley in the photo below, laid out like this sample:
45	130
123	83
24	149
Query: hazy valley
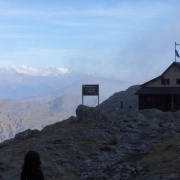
81	142
32	101
105	142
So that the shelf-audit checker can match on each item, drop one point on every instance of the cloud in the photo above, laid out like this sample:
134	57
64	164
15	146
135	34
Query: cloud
124	38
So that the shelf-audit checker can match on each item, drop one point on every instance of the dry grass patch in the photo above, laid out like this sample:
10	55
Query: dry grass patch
164	157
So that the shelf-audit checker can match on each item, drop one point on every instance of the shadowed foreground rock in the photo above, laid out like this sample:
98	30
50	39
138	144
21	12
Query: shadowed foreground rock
25	134
115	146
87	113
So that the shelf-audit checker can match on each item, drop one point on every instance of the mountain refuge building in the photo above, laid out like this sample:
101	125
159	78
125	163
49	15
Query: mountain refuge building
162	92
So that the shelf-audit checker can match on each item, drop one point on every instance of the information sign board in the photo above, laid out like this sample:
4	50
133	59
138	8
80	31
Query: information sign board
90	90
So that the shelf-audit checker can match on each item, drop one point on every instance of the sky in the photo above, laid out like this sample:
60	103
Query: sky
132	40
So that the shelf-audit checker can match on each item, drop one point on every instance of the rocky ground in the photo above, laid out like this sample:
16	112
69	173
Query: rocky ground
99	145
102	143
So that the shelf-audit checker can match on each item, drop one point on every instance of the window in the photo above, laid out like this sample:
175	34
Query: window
177	81
165	81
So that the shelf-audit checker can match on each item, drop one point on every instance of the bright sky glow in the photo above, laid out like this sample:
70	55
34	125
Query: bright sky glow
132	40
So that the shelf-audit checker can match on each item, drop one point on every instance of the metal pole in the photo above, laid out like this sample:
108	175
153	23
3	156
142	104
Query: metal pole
176	44
98	99
82	94
175	51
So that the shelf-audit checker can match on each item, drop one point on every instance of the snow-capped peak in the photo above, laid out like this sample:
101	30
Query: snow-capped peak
27	70
50	71
63	70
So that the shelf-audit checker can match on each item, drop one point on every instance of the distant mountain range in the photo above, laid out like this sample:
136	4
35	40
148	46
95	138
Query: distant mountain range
32	98
18	83
28	82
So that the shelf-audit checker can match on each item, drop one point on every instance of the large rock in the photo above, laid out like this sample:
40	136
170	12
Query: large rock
86	113
25	134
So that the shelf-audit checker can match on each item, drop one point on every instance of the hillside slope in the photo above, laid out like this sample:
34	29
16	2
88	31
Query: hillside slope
17	117
127	98
35	113
95	146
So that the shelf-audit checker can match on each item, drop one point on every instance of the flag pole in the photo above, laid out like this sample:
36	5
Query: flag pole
175	51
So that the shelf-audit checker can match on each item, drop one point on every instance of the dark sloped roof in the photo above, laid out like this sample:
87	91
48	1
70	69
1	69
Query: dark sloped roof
176	64
158	90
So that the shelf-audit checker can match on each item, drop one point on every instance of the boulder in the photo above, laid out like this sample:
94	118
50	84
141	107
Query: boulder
86	113
25	134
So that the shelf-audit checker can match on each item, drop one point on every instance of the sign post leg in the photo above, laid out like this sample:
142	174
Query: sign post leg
98	100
